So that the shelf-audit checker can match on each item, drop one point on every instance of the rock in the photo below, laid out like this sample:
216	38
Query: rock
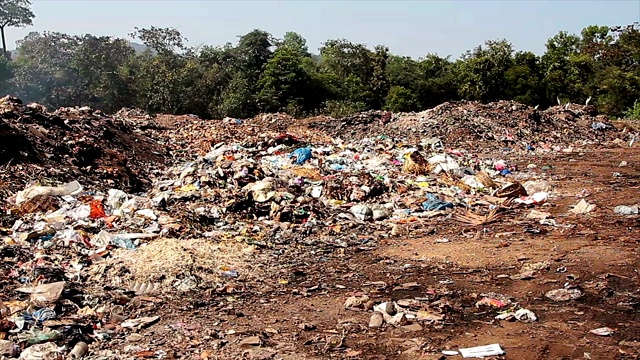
355	302
376	320
564	294
250	342
543	265
388	308
411	327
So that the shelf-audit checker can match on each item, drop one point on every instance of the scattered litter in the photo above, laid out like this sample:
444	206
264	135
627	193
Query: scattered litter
582	207
603	331
626	210
45	293
523	315
139	322
482	351
158	206
79	350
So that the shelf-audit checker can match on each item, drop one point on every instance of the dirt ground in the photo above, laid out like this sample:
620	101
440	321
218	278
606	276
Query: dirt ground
296	309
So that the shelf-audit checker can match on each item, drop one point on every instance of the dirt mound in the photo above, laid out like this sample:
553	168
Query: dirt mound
72	144
458	123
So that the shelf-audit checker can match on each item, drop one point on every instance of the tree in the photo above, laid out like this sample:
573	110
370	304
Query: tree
99	60
161	40
558	67
261	73
524	80
284	83
295	42
44	69
403	71
254	50
5	74
400	99
379	82
616	83
14	13
348	70
438	81
482	71
249	58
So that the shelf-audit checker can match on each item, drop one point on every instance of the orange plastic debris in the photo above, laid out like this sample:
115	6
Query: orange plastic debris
97	210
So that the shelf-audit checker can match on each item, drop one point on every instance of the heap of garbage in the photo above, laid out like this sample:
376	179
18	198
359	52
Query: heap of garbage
230	180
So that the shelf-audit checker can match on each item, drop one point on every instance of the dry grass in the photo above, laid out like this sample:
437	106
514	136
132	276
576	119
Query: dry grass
473	219
166	261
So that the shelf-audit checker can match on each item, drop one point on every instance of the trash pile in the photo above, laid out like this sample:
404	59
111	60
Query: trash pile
72	144
79	267
114	200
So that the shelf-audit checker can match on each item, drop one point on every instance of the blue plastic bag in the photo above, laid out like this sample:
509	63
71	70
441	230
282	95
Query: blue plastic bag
433	203
301	155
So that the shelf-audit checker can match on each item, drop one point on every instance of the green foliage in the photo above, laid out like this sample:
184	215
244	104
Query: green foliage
5	75
341	108
265	74
483	71
14	13
633	112
161	40
284	81
400	99
44	69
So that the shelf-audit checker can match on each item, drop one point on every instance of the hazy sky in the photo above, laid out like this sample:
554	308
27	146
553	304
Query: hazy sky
412	28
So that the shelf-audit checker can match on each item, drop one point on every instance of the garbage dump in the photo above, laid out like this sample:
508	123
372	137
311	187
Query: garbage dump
105	215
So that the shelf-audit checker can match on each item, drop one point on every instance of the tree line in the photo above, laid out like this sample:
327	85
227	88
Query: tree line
263	73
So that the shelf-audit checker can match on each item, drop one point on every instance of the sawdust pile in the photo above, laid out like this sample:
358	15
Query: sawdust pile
172	264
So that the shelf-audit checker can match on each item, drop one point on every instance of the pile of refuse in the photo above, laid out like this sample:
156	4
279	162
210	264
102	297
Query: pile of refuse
460	123
272	191
72	144
332	196
105	190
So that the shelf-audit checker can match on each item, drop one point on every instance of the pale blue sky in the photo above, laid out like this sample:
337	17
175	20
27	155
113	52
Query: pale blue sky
411	28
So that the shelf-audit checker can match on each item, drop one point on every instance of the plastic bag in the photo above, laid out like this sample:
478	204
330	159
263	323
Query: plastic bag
96	210
301	155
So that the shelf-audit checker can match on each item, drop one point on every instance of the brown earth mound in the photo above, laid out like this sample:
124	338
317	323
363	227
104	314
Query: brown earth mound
72	144
463	122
